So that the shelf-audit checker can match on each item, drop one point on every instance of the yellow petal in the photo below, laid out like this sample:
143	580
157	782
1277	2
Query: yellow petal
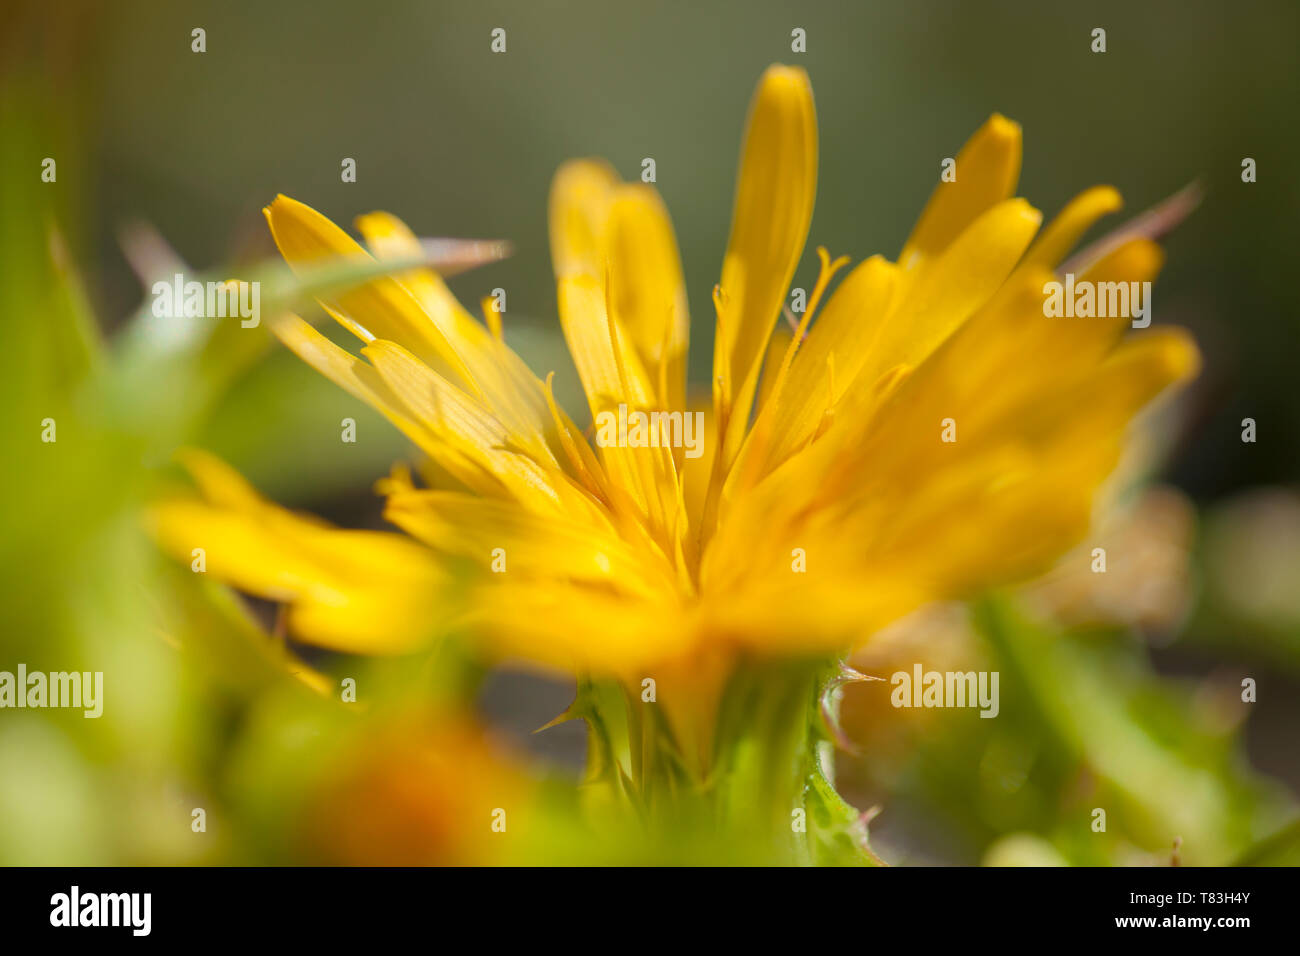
646	291
956	283
536	547
988	168
357	591
363	382
398	617
602	343
383	307
1068	227
1139	369
575	629
463	423
611	374
841	341
582	197
777	346
775	191
511	388
579	211
1027	481
218	482
1138	260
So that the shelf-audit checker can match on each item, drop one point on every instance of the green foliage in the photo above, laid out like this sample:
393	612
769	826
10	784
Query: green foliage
1085	724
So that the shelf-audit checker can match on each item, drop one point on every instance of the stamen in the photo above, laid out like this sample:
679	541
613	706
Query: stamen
761	436
722	393
828	270
566	440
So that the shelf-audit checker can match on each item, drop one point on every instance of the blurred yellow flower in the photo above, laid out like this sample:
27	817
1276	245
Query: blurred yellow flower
931	433
417	793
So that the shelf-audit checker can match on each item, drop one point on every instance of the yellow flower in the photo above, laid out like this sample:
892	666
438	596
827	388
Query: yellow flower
825	501
414	793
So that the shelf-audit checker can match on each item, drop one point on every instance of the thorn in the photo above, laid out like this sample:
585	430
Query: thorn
848	675
1155	223
148	254
572	712
453	256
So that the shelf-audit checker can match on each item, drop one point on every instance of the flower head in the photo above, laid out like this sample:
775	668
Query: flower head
924	431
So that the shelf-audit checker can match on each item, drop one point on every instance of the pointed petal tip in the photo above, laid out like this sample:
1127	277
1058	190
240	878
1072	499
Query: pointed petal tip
789	86
786	74
1027	210
1000	126
1105	197
1182	356
277	206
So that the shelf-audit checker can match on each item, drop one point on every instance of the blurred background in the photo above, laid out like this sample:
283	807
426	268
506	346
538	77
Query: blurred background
461	142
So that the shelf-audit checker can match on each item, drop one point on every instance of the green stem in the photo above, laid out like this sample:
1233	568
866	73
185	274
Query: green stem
763	788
